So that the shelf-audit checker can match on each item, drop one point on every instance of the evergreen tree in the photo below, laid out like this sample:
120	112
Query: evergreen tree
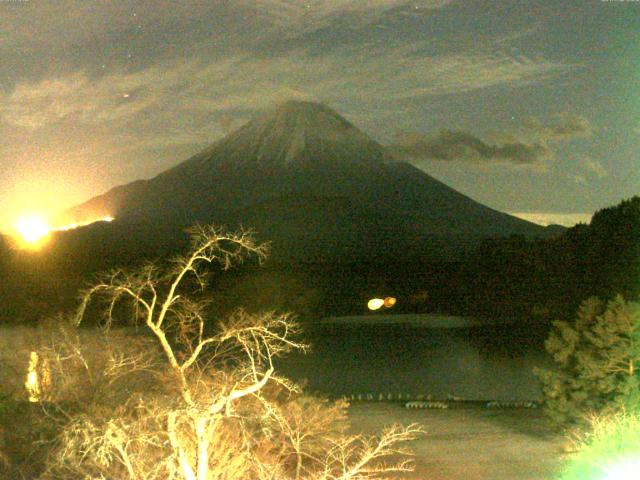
597	358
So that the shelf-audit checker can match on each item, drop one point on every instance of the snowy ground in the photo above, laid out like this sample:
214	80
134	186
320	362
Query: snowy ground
471	444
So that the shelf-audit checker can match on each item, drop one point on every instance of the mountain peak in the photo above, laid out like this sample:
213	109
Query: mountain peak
313	114
293	133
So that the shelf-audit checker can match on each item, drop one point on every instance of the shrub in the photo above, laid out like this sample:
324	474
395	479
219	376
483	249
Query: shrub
596	360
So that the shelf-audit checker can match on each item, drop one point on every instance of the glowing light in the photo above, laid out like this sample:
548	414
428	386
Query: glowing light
32	229
74	225
32	384
375	303
627	470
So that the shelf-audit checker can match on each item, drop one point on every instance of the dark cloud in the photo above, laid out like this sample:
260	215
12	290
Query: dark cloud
455	145
529	145
564	126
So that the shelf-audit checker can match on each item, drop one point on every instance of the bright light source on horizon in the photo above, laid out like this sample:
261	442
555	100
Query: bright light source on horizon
32	229
71	226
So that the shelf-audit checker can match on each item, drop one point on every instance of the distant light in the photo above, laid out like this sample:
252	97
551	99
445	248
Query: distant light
627	470
32	229
375	303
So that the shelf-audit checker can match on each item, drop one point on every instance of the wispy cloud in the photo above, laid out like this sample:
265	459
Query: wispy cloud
303	12
125	33
79	98
563	126
578	178
250	83
594	167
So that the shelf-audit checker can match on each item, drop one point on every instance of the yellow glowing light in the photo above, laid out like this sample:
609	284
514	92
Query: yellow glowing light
32	229
71	226
375	303
32	384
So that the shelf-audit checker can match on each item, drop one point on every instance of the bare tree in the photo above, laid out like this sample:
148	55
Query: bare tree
223	412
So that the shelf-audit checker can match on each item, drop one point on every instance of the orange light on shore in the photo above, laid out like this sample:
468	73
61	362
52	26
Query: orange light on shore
377	303
389	302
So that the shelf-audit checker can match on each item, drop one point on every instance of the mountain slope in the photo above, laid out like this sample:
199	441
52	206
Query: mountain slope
319	188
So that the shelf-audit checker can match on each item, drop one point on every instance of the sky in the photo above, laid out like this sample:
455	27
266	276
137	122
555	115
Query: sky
530	107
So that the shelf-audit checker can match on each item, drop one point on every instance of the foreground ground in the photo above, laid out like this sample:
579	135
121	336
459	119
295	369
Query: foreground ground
471	444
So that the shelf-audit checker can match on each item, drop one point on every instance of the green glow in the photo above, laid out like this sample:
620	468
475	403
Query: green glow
627	470
611	450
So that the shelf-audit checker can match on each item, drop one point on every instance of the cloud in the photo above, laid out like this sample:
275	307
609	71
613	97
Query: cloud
77	97
303	12
455	145
577	178
80	33
249	83
594	167
198	57
526	145
564	126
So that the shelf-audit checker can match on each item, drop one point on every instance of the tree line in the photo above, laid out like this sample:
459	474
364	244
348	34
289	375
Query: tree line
547	279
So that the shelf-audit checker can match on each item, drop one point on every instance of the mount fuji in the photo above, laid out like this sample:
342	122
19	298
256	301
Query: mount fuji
314	185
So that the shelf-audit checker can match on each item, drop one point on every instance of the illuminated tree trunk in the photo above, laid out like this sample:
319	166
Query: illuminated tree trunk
203	447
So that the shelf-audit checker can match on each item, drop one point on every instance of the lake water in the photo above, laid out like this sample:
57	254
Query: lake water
491	362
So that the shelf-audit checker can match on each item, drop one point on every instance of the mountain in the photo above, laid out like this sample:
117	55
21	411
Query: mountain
312	183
